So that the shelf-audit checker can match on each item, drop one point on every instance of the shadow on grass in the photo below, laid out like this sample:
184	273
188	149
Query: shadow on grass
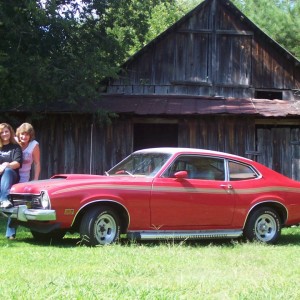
67	242
64	243
289	236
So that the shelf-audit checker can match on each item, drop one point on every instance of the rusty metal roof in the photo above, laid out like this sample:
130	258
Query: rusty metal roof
193	105
167	105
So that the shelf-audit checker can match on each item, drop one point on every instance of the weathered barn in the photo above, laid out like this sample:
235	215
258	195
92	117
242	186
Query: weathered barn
212	80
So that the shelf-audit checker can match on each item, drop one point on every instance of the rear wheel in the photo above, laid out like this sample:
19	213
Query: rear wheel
263	225
100	226
55	235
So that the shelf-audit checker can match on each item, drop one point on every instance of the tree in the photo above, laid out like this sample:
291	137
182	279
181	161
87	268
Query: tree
137	22
47	54
52	50
278	18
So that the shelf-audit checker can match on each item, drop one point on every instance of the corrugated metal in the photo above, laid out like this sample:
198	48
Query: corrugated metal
167	105
180	105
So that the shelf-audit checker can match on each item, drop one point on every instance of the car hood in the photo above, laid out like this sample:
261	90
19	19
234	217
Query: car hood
63	181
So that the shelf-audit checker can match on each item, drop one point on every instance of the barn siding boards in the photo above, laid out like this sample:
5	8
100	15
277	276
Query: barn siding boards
229	134
233	61
80	145
279	148
214	46
295	145
271	69
192	59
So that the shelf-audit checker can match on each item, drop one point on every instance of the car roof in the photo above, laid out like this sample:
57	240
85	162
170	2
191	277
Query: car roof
181	150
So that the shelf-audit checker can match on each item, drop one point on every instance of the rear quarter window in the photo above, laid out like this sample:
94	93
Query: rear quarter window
238	171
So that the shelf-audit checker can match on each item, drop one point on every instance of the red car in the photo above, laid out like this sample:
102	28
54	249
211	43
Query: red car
161	193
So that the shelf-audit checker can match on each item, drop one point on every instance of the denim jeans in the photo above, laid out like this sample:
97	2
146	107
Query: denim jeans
8	178
10	230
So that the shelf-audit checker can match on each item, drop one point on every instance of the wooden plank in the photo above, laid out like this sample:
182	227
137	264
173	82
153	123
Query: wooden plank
295	145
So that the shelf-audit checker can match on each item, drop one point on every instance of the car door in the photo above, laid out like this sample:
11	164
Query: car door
201	199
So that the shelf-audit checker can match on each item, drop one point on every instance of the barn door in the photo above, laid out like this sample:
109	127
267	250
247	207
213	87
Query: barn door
295	145
279	149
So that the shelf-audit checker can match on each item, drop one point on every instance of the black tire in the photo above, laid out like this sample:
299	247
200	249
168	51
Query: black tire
263	225
55	235
100	226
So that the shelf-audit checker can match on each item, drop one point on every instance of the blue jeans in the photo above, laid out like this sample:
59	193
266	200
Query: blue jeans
8	178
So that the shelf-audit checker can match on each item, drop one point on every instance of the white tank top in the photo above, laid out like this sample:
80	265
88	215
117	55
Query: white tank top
27	161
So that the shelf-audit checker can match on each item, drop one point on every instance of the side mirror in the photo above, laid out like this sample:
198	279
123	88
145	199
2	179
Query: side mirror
181	174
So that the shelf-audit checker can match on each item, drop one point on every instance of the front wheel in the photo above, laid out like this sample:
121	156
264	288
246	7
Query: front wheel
263	225
100	226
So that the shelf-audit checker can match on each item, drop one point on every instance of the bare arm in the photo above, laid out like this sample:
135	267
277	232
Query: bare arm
36	162
12	165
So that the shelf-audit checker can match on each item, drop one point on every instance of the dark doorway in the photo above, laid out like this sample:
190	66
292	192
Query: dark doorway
155	135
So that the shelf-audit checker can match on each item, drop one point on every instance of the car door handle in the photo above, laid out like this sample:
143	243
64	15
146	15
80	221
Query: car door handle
227	186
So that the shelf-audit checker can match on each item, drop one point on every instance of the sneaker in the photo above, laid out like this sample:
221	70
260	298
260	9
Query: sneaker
12	237
6	204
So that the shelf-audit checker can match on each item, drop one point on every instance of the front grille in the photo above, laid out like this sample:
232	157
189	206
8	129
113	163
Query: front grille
31	201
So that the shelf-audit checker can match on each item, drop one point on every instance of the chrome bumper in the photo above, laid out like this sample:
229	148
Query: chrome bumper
22	213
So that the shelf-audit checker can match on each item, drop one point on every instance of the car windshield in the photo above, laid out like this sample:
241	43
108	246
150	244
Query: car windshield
141	164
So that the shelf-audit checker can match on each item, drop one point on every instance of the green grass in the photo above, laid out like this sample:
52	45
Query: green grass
165	270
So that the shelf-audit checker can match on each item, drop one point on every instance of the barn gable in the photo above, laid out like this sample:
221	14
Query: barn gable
214	50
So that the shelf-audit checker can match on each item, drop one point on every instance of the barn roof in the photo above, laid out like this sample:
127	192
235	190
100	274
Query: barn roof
196	105
171	105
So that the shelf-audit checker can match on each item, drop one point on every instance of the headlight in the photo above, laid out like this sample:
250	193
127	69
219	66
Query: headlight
45	200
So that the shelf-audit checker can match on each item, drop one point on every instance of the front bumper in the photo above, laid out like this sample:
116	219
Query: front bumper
24	214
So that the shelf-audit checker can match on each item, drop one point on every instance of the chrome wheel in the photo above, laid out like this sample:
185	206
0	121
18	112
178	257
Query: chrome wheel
105	229
265	227
100	226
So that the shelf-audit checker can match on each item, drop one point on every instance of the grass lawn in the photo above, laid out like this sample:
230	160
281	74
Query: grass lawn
165	270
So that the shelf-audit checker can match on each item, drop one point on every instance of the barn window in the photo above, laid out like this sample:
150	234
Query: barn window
263	94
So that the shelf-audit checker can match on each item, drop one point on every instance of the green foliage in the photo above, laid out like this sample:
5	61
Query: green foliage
280	19
48	54
166	14
133	20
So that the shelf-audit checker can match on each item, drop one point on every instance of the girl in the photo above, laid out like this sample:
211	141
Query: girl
10	162
31	156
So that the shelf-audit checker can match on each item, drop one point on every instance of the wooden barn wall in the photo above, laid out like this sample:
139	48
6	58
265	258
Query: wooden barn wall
77	144
279	149
270	70
229	134
212	53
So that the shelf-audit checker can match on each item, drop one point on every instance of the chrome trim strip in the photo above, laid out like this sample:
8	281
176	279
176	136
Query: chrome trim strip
22	213
184	234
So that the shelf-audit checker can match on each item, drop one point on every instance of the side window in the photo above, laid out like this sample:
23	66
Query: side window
208	168
239	171
198	167
180	164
